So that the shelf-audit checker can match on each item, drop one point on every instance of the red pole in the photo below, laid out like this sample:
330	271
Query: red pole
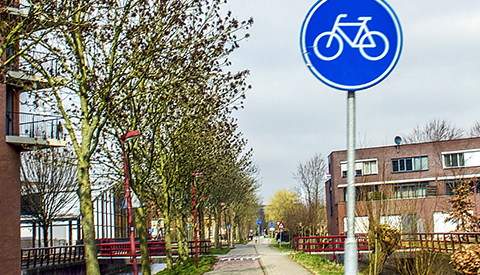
129	210
194	220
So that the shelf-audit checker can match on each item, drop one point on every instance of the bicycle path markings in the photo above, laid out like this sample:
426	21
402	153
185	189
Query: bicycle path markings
270	261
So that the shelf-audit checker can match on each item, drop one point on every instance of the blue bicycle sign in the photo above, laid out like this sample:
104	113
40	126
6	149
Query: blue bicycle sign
351	44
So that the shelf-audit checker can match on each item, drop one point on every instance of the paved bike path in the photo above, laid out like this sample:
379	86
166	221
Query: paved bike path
257	259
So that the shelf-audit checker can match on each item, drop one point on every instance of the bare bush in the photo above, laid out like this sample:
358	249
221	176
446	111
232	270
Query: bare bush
466	260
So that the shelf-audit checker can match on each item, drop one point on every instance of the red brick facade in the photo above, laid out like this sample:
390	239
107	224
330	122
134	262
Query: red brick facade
402	190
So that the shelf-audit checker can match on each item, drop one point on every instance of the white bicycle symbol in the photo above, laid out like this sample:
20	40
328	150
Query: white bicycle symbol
358	41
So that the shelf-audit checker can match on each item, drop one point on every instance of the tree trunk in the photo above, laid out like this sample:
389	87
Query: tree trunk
209	225
201	224
45	235
217	231
86	208
231	231
168	235
182	242
142	234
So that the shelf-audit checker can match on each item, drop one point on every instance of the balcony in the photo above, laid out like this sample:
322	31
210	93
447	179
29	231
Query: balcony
34	131
21	74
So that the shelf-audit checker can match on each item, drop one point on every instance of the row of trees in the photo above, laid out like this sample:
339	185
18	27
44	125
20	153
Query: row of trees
156	66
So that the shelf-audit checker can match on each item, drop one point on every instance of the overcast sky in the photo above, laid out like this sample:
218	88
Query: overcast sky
289	114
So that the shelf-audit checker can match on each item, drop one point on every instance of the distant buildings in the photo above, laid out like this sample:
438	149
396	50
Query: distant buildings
408	185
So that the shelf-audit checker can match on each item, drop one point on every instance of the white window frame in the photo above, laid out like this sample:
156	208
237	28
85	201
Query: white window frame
361	165
471	158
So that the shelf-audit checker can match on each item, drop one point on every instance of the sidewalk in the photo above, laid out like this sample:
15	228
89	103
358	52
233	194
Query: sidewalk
257	259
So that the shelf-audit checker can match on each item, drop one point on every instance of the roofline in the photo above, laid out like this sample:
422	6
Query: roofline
406	144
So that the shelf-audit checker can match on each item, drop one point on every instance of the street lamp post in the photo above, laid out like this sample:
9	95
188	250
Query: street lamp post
194	175
128	136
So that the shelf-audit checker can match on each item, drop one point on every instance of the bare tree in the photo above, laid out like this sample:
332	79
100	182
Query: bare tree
434	130
311	188
475	130
49	181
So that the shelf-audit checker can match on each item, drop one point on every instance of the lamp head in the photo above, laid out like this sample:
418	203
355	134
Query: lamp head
130	135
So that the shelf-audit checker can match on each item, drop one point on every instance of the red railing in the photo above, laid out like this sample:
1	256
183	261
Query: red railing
438	242
434	242
155	248
328	244
48	256
45	256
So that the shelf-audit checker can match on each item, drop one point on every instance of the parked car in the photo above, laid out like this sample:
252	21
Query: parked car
285	236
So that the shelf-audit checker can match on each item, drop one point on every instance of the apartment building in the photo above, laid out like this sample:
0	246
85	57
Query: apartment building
20	131
407	185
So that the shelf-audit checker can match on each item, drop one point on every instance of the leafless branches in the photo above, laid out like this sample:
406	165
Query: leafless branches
49	181
434	130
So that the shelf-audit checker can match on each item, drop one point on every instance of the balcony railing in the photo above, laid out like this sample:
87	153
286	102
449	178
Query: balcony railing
34	126
49	63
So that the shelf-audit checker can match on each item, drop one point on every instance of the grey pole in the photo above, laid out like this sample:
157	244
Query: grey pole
351	260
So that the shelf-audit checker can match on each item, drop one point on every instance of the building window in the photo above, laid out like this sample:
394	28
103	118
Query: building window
409	164
454	160
362	168
410	190
409	223
451	185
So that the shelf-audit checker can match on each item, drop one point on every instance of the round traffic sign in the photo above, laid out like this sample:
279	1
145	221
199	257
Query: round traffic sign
259	221
351	44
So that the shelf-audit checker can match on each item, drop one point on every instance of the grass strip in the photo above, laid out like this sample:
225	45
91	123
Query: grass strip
284	248
218	251
205	263
315	263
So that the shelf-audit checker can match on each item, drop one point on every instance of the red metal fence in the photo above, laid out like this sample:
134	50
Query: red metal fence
47	256
155	248
434	242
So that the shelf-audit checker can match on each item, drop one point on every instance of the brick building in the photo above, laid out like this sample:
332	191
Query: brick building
408	185
20	131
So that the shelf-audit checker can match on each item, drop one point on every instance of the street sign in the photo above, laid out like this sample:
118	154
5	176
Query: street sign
280	225
272	224
134	199
351	44
259	221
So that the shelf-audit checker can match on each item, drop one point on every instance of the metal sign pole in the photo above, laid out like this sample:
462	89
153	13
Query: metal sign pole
351	260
